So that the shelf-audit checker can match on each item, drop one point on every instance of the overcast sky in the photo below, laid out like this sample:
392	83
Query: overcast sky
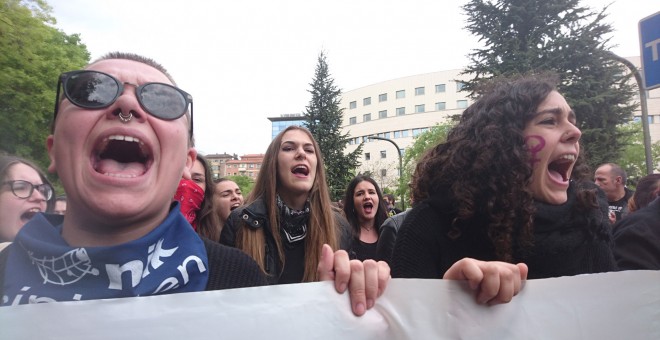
244	61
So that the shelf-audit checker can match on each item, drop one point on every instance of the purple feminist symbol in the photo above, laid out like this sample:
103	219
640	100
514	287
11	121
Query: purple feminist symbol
534	145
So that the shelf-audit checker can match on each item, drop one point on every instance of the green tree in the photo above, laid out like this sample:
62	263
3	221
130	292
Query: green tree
633	158
34	53
563	37
245	183
423	142
324	119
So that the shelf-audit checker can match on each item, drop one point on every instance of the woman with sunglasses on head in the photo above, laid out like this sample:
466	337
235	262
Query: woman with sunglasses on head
25	191
507	185
365	211
122	139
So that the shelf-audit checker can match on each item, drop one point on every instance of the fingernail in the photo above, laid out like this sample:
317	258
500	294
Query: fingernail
342	287
359	308
370	303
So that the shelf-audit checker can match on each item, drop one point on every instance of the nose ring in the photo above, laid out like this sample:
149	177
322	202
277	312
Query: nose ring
125	118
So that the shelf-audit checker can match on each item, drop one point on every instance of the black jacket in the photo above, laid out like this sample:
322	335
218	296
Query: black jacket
255	216
387	236
567	241
637	239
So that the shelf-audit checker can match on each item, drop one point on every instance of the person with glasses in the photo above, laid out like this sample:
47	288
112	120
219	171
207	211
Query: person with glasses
24	192
122	138
121	141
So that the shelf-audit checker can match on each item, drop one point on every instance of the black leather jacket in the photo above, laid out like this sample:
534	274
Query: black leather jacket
387	237
255	215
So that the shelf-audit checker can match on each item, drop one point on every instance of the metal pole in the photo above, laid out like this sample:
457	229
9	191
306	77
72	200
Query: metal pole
398	152
645	114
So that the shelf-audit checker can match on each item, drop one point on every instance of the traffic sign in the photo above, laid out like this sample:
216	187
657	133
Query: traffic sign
649	44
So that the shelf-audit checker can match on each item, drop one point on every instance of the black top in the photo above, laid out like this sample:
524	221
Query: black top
620	207
294	267
255	215
637	239
567	242
231	268
363	250
387	236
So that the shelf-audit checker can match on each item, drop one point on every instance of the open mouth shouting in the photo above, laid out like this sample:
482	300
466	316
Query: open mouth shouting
368	207
27	215
300	170
560	169
121	156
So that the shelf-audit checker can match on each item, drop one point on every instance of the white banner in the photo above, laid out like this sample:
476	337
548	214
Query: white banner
623	305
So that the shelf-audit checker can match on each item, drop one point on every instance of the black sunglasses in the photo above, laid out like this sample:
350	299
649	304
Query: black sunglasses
24	189
96	90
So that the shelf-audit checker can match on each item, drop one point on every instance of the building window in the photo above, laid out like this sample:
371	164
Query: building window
366	117
459	85
439	88
383	154
419	108
367	156
439	106
400	111
400	94
387	135
419	91
401	133
382	114
383	172
366	101
382	97
461	104
352	121
352	105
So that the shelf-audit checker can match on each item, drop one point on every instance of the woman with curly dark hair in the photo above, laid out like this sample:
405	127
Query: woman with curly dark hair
508	184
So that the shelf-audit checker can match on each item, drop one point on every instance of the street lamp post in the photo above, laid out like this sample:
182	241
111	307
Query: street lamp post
644	107
398	152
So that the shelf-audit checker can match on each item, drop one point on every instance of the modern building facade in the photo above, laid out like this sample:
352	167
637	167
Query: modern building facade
400	109
283	121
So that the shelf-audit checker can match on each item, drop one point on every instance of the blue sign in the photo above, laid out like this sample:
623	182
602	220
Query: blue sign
649	43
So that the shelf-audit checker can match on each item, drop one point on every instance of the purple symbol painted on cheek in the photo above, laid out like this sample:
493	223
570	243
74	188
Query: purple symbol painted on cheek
534	145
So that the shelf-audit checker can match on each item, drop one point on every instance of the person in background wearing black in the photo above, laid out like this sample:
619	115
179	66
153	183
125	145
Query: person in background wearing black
637	235
365	211
612	179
